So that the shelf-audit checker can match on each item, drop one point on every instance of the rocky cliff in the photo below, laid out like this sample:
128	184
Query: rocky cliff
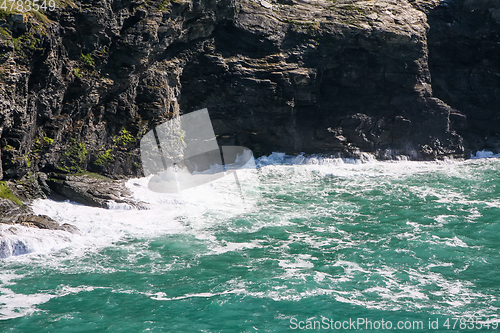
81	84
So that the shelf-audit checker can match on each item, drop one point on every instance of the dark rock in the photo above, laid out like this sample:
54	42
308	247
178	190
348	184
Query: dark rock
1	169
90	190
7	206
12	213
44	222
412	77
464	59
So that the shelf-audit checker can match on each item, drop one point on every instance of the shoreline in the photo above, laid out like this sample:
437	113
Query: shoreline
95	190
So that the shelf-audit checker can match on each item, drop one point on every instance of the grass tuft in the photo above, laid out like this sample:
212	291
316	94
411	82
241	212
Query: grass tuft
6	193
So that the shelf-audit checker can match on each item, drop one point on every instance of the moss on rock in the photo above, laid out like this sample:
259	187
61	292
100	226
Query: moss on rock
6	193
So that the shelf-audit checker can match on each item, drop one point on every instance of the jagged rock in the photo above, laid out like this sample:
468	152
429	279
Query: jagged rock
78	91
7	206
464	59
15	210
44	222
10	213
90	190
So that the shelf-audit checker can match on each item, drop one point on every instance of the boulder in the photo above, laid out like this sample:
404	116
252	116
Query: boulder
91	190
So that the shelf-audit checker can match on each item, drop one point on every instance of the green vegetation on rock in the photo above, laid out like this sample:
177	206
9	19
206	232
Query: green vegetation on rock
40	16
6	193
87	59
76	72
28	41
8	148
76	156
164	5
4	32
124	138
48	140
92	174
17	44
5	13
41	143
104	158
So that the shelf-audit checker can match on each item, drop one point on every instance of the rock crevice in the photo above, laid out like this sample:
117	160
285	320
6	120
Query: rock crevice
80	85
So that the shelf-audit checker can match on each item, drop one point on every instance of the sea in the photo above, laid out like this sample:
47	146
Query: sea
301	243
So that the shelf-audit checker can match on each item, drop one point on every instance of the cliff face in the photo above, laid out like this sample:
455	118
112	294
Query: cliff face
80	85
464	59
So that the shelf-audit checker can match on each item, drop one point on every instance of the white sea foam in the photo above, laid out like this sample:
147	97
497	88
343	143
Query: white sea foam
19	305
191	211
197	210
219	199
18	240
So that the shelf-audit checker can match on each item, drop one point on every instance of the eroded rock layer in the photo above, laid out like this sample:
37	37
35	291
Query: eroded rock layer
80	85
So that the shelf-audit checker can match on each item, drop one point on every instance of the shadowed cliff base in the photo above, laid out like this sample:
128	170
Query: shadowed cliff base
464	59
80	85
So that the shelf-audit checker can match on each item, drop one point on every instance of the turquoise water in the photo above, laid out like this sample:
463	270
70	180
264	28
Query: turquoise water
325	242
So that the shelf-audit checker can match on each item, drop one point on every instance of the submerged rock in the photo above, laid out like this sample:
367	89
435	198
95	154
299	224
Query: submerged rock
87	189
44	222
10	213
